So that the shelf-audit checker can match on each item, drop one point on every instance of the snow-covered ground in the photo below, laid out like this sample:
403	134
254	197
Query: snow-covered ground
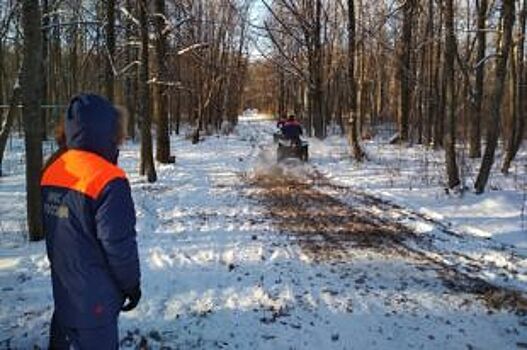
220	270
414	177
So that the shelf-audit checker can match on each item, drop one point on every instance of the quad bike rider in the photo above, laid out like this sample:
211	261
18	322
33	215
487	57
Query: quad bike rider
292	130
291	145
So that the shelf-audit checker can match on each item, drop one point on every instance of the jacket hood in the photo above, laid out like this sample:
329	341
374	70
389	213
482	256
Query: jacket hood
91	125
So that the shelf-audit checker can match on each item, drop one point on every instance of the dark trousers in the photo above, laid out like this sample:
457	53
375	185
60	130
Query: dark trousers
103	338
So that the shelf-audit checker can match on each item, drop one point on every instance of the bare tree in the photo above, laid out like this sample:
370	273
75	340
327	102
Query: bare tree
8	121
45	63
406	69
431	91
358	154
160	88
519	113
31	80
315	58
110	48
476	115
305	32
450	130
131	76
147	166
493	129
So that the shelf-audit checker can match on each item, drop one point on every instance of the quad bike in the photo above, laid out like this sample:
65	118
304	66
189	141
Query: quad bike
277	136
292	149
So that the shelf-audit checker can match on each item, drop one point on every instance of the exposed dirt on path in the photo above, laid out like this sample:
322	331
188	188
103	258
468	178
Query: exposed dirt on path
326	227
329	229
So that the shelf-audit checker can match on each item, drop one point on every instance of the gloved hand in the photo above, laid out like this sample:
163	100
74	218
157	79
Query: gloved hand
132	298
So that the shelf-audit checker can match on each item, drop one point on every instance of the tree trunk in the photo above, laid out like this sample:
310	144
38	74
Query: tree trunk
353	137
312	32
74	81
439	100
178	96
31	80
45	66
2	77
130	83
163	137
431	95
450	98
147	166
317	93
56	60
359	86
476	115
520	91
405	71
110	46
493	129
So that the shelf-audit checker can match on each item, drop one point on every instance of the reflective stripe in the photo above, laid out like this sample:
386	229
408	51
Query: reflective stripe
81	171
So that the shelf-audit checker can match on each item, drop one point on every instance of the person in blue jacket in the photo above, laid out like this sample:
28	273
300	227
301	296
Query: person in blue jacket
89	222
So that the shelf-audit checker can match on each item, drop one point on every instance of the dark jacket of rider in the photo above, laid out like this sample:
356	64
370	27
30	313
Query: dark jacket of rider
292	130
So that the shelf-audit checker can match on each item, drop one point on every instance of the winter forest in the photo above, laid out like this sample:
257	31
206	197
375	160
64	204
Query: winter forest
304	174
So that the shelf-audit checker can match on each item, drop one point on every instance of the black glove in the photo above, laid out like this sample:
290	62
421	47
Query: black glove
132	298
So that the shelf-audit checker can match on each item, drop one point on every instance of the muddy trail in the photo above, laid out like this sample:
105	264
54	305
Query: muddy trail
333	223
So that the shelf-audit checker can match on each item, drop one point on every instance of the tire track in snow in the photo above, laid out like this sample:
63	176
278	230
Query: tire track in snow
328	227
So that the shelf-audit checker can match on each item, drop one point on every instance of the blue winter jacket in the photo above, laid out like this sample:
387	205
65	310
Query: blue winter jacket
89	219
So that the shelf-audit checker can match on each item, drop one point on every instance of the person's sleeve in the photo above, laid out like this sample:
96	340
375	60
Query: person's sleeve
115	220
